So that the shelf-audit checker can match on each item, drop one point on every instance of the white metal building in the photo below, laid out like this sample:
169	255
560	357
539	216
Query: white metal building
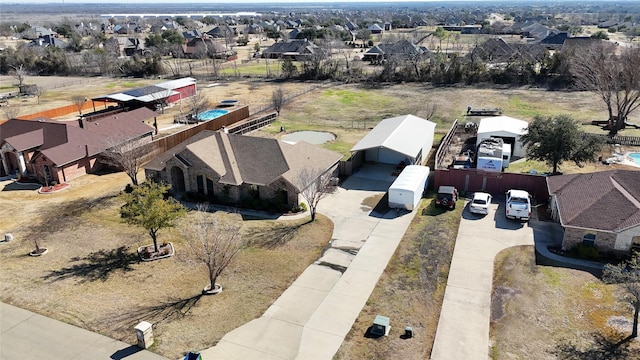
507	128
405	138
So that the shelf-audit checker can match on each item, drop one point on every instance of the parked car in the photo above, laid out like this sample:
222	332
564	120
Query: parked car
518	205
480	203
447	197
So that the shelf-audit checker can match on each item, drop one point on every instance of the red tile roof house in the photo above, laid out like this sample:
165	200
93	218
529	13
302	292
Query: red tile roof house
234	169
600	209
49	150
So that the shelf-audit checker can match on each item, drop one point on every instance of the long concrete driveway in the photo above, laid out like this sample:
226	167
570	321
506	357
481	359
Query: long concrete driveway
463	328
312	317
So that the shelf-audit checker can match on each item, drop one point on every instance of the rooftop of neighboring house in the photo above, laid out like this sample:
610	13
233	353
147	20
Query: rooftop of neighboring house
607	200
65	142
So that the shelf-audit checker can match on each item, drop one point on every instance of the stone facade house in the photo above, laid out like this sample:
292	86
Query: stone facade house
237	169
599	209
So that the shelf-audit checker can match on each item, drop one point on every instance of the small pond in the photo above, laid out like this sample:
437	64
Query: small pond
312	137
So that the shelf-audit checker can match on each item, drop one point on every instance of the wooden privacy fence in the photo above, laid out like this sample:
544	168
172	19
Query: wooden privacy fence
64	110
160	145
472	180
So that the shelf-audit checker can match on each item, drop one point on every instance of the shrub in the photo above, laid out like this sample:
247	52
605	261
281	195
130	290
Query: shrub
302	207
587	252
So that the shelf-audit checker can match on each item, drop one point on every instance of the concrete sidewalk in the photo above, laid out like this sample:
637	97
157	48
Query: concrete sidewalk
312	317
26	335
463	328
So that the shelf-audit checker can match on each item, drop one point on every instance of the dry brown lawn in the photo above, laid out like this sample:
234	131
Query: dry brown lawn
541	312
91	276
71	283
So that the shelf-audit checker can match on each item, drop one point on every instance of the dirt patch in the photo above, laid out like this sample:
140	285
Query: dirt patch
551	313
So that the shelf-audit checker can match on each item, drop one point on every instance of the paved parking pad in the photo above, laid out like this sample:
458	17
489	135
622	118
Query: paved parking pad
463	328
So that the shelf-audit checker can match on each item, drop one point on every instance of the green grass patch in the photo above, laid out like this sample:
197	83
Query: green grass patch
125	84
256	69
355	98
527	166
339	147
519	107
553	277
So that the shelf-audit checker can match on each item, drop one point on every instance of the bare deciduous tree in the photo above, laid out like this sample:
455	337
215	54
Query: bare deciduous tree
78	101
429	110
277	99
627	276
11	112
123	155
174	65
19	73
314	188
213	240
198	102
39	91
615	78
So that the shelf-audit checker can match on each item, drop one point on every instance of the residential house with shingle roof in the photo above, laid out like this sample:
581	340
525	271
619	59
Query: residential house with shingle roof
222	32
600	209
50	150
206	47
191	34
375	29
297	49
237	169
403	49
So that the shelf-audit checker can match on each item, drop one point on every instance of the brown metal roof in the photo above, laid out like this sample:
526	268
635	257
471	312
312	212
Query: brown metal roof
608	200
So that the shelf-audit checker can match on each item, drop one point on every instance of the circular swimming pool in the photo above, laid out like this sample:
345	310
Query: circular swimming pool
211	114
312	137
635	157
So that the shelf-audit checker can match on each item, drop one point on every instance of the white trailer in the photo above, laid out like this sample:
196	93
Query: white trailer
406	191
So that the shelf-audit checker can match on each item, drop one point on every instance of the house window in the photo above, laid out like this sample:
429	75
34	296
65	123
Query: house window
209	187
589	240
200	181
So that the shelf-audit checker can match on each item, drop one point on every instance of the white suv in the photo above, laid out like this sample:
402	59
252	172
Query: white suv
518	205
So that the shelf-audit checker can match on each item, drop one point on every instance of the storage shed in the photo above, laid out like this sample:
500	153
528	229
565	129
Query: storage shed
406	191
506	128
405	138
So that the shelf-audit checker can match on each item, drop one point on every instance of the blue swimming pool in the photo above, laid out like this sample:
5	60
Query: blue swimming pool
635	157
211	114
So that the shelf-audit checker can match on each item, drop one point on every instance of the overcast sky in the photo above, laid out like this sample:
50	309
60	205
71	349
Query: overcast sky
205	1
